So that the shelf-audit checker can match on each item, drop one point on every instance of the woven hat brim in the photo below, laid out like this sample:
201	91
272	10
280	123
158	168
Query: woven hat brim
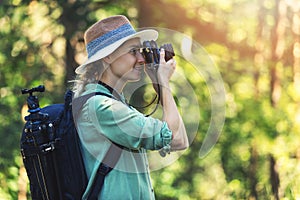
144	35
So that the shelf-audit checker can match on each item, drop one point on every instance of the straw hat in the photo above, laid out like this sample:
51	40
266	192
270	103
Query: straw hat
106	35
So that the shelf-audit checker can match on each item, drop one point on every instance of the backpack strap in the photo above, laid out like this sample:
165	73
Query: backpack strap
108	163
112	155
77	103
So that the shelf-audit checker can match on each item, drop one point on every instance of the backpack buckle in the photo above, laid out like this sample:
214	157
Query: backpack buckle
104	169
47	147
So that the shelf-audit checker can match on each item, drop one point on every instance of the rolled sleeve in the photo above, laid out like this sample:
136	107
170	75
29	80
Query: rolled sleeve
165	136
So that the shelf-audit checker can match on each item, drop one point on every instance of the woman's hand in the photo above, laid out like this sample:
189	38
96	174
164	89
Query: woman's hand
164	72
166	69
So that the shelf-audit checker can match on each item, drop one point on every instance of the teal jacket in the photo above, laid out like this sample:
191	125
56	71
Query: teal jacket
104	119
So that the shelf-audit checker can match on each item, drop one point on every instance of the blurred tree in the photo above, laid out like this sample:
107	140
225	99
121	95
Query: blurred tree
42	43
248	40
255	45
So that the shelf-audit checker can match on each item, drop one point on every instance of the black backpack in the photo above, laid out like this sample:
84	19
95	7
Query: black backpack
51	150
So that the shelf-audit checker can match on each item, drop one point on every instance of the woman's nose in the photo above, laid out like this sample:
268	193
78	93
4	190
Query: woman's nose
140	58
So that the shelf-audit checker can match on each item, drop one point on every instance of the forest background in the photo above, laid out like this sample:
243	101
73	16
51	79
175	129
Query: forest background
254	43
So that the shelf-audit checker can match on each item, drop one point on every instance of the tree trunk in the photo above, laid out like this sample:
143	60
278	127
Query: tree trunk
296	49
71	64
277	49
68	19
274	177
252	173
259	57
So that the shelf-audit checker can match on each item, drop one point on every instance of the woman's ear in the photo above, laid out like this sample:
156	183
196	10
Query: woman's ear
108	59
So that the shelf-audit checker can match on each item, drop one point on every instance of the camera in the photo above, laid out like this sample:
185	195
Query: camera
151	53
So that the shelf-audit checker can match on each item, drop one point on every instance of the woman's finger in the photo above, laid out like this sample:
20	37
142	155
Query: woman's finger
172	63
162	56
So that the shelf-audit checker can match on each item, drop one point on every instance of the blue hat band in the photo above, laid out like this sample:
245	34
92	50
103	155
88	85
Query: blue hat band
109	38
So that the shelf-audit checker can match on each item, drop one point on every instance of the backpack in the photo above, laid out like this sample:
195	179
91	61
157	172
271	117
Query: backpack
51	151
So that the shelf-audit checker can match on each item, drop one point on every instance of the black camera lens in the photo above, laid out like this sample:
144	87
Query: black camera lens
151	52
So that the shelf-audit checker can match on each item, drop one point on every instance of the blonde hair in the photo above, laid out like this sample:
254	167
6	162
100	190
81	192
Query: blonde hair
91	74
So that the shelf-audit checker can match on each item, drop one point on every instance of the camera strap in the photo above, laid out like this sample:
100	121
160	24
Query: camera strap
113	92
117	96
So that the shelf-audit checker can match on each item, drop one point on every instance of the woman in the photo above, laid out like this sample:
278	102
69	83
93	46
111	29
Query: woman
113	61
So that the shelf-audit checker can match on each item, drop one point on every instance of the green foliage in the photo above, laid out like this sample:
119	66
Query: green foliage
34	40
32	52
